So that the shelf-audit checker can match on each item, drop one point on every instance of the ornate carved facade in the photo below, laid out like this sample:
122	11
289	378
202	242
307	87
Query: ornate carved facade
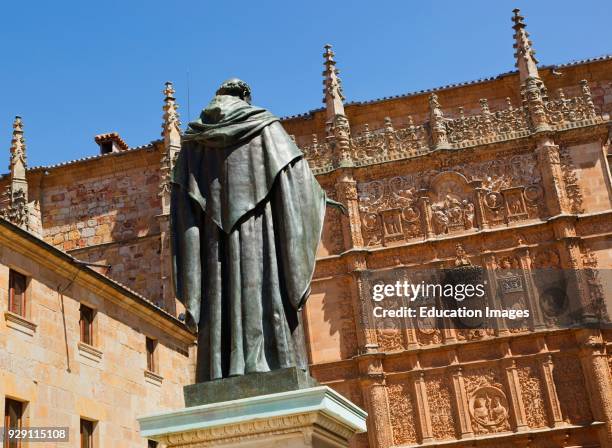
510	174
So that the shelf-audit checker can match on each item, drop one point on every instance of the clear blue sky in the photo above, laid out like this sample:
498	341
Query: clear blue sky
74	69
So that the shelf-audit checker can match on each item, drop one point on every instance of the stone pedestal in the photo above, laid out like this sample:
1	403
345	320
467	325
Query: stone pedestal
314	417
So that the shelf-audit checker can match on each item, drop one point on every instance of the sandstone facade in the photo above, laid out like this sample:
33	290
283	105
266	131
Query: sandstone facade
511	173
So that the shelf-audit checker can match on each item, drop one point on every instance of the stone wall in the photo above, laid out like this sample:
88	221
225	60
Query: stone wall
105	211
43	363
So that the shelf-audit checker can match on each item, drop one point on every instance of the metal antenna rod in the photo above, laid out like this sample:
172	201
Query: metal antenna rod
188	99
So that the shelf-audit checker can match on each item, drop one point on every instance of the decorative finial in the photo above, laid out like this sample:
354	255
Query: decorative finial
332	92
17	210
171	116
171	132
18	148
437	123
526	61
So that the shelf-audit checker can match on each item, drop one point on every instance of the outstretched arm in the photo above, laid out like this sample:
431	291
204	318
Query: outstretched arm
337	204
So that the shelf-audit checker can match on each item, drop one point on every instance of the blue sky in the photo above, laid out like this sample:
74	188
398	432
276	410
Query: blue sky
74	69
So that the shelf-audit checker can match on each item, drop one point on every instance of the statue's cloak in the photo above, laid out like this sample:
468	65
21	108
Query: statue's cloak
246	219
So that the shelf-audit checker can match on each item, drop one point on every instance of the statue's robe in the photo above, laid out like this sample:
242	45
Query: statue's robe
246	219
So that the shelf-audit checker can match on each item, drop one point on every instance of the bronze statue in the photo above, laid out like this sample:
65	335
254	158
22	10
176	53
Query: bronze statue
247	215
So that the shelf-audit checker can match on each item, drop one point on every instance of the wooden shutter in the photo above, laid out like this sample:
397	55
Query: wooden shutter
17	288
87	427
13	412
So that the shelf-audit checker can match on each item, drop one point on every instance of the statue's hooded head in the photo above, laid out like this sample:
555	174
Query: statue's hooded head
235	87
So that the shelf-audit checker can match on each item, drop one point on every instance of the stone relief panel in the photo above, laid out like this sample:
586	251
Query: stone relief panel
512	289
532	393
511	186
452	203
442	201
487	401
402	413
569	381
428	328
389	210
595	282
439	397
570	179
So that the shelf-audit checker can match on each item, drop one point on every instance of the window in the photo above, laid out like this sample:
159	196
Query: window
106	147
13	415
86	322
151	346
17	289
87	430
151	444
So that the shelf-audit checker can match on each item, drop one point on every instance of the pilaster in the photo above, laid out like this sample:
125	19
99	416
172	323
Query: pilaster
171	134
593	358
552	176
461	403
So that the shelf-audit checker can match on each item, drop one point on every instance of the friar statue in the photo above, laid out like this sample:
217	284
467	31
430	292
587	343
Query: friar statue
246	218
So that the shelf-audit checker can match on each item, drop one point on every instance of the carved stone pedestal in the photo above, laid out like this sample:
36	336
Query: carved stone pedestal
315	417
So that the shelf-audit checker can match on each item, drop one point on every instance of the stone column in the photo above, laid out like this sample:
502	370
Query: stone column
571	262
171	134
552	176
464	421
373	385
552	399
530	288
598	380
422	407
426	214
362	307
494	301
346	193
479	193
515	400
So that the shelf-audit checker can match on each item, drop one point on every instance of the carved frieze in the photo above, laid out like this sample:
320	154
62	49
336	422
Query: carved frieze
388	143
532	391
373	146
402	414
570	180
439	202
439	393
569	382
486	126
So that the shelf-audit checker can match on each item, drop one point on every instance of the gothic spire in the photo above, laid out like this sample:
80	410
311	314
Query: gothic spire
18	163
171	117
17	209
526	61
332	92
171	133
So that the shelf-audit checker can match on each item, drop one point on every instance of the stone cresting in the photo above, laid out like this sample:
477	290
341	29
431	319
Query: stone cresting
440	132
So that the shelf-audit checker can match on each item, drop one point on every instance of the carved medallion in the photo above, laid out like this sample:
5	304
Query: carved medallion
489	407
